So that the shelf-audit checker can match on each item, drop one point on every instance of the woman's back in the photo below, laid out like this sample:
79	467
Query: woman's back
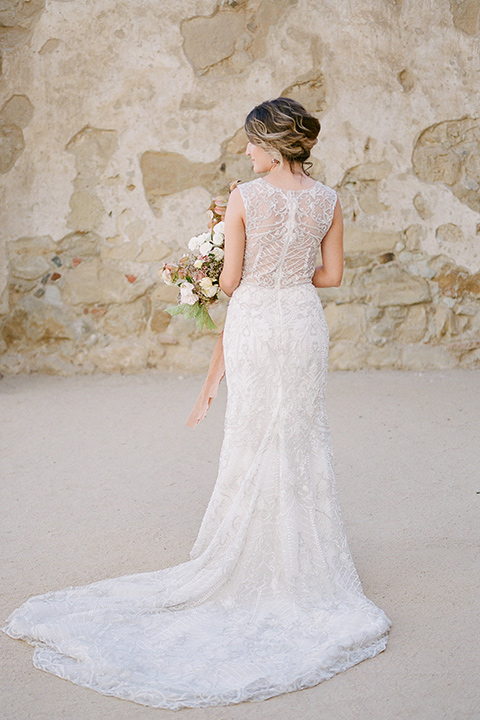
284	229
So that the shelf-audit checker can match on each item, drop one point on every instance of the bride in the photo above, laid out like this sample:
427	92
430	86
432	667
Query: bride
270	600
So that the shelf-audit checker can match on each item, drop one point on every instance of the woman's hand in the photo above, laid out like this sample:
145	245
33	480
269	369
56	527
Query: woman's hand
234	243
331	272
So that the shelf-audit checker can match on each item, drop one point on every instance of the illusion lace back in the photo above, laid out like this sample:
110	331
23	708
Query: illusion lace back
270	600
284	229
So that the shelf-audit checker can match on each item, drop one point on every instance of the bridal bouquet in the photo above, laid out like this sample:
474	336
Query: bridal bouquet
197	272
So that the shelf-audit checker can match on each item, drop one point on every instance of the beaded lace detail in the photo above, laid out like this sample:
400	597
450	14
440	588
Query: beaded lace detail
284	230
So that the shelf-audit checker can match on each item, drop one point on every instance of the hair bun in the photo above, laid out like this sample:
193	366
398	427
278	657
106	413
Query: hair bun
283	128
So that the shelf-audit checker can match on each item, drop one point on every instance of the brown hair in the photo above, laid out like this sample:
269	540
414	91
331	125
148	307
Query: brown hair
283	128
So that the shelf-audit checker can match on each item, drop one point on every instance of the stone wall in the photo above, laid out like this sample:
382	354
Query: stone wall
119	120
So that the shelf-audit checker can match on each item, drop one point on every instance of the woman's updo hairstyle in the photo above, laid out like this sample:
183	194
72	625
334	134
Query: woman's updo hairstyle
284	129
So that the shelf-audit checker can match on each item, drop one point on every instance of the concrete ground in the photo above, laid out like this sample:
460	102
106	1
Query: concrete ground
100	478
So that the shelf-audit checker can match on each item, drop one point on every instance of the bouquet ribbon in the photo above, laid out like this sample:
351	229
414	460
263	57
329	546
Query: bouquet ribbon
216	371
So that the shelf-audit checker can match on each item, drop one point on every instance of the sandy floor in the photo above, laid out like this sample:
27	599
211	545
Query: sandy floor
100	478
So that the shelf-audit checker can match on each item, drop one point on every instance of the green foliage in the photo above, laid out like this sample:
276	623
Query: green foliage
197	311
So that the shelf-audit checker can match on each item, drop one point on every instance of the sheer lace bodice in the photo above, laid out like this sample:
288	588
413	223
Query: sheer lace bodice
270	600
284	230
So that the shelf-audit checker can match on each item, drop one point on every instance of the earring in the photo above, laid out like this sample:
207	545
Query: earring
274	163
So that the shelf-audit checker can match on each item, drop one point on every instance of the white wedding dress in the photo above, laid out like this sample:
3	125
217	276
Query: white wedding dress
270	600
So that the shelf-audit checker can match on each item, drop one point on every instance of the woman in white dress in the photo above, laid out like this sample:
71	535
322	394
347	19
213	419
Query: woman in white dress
270	600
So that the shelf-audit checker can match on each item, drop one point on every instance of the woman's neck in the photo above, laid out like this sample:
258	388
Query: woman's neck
288	179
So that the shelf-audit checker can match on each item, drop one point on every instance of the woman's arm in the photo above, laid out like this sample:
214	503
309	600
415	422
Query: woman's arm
234	243
330	273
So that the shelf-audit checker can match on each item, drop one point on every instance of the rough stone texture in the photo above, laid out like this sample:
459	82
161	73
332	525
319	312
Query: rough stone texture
117	127
465	15
35	321
309	90
12	145
233	36
166	173
209	40
20	255
346	321
362	182
91	282
310	87
18	110
457	282
17	20
390	284
407	80
92	148
449	152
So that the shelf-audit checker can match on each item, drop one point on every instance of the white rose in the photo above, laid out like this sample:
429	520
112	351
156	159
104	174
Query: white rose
209	289
218	253
187	295
219	227
205	283
218	238
205	248
194	243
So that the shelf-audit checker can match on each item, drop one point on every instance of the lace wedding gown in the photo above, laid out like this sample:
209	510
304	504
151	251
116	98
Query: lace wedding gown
270	600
